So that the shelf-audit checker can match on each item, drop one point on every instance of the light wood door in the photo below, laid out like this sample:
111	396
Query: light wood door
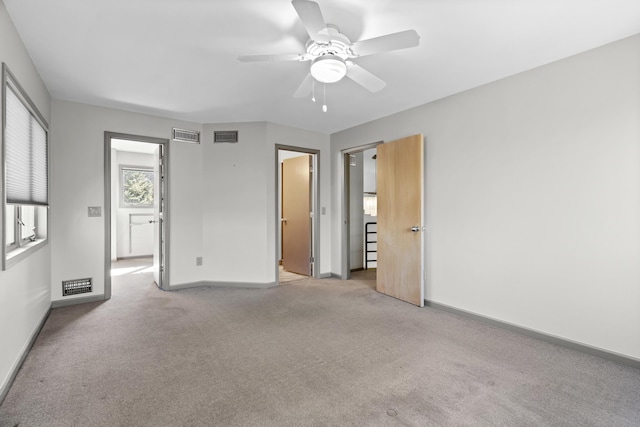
399	180
296	215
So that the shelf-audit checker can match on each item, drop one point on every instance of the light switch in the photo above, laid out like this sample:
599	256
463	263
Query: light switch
95	211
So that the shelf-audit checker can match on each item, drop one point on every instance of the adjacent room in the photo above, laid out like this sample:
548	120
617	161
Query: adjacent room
320	212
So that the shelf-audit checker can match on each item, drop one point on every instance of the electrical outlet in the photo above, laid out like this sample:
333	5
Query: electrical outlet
95	211
198	260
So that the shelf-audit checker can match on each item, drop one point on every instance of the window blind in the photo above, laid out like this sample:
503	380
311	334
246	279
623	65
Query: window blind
26	179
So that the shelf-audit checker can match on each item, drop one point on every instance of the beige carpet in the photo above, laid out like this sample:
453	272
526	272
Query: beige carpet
288	276
312	353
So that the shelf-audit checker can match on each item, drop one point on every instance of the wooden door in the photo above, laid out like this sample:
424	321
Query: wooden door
296	215
399	179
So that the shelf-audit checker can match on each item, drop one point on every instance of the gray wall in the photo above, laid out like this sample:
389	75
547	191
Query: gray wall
25	288
532	197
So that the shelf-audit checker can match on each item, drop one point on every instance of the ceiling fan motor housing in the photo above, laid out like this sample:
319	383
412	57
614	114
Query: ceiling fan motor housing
330	41
328	54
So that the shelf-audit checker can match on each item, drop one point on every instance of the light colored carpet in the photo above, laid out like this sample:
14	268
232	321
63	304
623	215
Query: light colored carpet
312	353
288	276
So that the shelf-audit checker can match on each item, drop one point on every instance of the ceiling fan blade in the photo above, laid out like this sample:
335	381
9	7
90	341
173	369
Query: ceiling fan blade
278	57
311	17
305	87
401	40
364	78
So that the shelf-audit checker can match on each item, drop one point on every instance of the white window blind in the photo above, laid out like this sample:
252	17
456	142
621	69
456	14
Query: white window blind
26	179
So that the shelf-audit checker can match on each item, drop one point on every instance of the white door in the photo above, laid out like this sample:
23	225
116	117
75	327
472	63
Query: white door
158	217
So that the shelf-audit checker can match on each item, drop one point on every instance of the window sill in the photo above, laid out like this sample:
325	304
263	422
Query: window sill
23	252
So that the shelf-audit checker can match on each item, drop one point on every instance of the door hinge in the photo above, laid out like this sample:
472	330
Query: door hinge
312	259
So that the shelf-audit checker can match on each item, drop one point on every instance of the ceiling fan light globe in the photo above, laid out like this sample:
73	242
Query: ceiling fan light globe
328	69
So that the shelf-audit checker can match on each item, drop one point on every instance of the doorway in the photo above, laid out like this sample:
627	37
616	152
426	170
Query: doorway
136	200
296	206
399	229
359	245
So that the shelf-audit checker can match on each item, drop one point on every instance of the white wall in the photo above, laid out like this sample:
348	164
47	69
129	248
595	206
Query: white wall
533	197
222	196
239	201
234	205
78	182
369	170
285	135
25	295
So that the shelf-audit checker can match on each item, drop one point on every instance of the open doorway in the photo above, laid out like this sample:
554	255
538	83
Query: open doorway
360	204
400	230
135	207
296	206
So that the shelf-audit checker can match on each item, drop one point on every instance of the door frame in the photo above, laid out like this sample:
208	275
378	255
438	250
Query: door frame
315	204
345	213
108	136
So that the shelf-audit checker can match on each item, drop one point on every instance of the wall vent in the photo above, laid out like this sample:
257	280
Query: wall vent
77	286
185	135
225	136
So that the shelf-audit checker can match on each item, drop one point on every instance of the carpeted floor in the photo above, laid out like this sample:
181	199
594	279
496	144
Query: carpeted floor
285	276
314	352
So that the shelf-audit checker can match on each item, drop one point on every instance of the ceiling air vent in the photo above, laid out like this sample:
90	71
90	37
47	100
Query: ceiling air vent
186	135
225	136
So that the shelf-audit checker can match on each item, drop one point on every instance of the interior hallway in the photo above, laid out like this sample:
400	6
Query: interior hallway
314	352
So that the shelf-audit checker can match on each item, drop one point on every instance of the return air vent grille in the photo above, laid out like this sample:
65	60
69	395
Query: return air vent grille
225	136
186	135
77	286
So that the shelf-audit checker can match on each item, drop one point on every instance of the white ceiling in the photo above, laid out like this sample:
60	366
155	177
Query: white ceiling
178	58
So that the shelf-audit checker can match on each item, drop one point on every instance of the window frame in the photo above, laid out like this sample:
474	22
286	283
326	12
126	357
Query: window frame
122	202
21	248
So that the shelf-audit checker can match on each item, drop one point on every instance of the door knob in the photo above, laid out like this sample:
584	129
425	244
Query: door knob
415	228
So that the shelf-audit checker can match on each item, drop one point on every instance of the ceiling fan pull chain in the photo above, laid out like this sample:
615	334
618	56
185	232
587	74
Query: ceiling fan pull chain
313	90
324	95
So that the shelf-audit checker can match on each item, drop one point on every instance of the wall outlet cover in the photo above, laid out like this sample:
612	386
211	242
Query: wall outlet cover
95	211
198	260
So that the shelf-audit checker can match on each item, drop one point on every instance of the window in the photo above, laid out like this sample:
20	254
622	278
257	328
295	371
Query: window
25	193
136	186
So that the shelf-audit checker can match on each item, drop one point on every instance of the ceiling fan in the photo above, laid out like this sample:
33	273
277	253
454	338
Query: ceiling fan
330	52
